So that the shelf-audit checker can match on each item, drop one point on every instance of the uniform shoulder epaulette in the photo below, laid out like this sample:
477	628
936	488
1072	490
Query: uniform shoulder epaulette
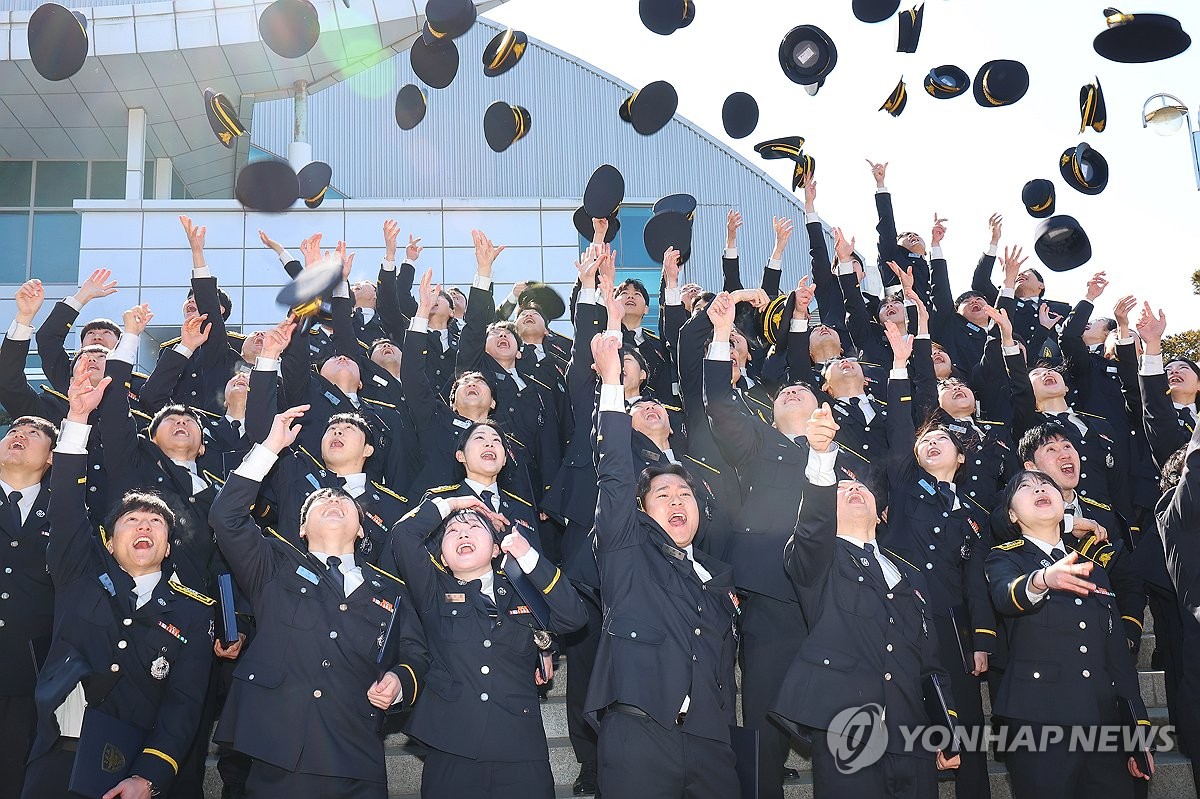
562	336
516	497
712	469
986	421
54	393
1094	503
141	415
179	588
378	402
388	491
650	333
213	477
1007	545
672	408
141	375
897	557
235	334
444	489
388	575
171	343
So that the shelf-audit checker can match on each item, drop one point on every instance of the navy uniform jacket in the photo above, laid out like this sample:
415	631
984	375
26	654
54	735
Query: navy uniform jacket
1167	428
963	340
771	467
1067	658
136	462
866	643
1179	527
299	700
949	544
667	635
1023	312
1096	379
481	702
17	396
27	609
115	649
202	383
889	250
51	340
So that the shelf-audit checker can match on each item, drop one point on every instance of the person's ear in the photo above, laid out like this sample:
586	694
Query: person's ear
962	458
1031	466
1012	517
495	550
361	533
460	456
368	451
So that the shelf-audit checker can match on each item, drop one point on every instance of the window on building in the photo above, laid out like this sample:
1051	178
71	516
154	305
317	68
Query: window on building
633	262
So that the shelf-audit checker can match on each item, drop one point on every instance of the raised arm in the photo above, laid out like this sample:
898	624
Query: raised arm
262	403
886	226
671	313
16	395
981	280
52	335
738	433
773	268
481	308
808	555
616	509
1163	433
730	264
123	457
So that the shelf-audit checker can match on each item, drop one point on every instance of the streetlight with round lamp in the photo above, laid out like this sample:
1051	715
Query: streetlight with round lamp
1166	114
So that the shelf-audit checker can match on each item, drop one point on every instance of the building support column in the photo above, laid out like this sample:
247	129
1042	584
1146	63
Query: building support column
299	150
135	154
163	173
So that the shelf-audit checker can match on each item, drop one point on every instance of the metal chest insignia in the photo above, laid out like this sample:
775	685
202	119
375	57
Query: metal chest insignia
160	668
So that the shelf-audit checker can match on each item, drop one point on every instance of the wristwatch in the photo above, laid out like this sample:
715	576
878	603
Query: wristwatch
153	791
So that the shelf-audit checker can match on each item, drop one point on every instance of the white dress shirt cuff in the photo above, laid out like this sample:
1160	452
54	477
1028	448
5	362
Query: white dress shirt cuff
936	252
262	364
342	289
73	438
612	398
731	252
774	263
813	217
819	471
1035	596
991	250
201	271
798	326
587	297
285	257
1151	365
183	349
881	190
258	464
673	296
922	336
482	282
20	332
1124	341
388	266
846	268
419	324
1015	349
529	561
74	303
442	505
1007	292
126	349
718	351
898	374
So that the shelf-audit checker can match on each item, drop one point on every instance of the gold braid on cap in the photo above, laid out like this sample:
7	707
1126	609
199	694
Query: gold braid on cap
1042	206
502	49
228	121
1077	168
437	34
1114	17
1089	108
307	309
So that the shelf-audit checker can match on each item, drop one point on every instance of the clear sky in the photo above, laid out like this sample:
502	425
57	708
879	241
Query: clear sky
949	156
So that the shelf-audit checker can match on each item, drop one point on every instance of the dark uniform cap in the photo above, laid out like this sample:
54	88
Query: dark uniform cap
896	101
1062	244
1092	113
771	318
222	118
447	19
58	41
946	81
874	10
805	168
664	17
649	109
1084	169
304	294
314	182
583	223
503	52
505	124
1000	82
739	115
681	203
268	185
1140	38
604	192
436	65
668	229
548	301
786	147
1038	197
289	27
410	106
910	29
807	55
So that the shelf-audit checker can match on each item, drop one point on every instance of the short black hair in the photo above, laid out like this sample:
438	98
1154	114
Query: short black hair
48	428
1109	324
931	426
465	435
633	352
1007	529
637	285
379	342
967	295
149	501
173	410
1188	361
90	349
356	420
507	325
327	493
439	532
650	472
1038	436
223	300
472	374
100	323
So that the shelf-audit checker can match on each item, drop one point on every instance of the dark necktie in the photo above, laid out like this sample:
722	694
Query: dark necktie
873	563
947	495
489	604
435	344
487	497
1057	554
856	410
335	571
629	339
237	427
529	353
14	511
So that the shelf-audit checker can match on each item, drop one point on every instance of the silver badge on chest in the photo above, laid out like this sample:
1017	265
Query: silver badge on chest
160	668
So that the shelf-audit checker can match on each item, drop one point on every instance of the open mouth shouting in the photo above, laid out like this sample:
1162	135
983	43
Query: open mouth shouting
143	543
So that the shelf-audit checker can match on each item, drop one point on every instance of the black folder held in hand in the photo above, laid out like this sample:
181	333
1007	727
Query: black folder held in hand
939	709
962	636
229	630
105	754
744	743
1129	720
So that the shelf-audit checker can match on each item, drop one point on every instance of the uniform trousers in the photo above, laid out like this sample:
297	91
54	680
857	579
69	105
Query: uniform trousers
639	759
271	782
772	632
448	776
1058	773
580	648
18	724
893	776
49	775
971	777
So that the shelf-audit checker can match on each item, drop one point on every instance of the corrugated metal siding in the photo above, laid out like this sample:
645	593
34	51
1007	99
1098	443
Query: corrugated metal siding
575	128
